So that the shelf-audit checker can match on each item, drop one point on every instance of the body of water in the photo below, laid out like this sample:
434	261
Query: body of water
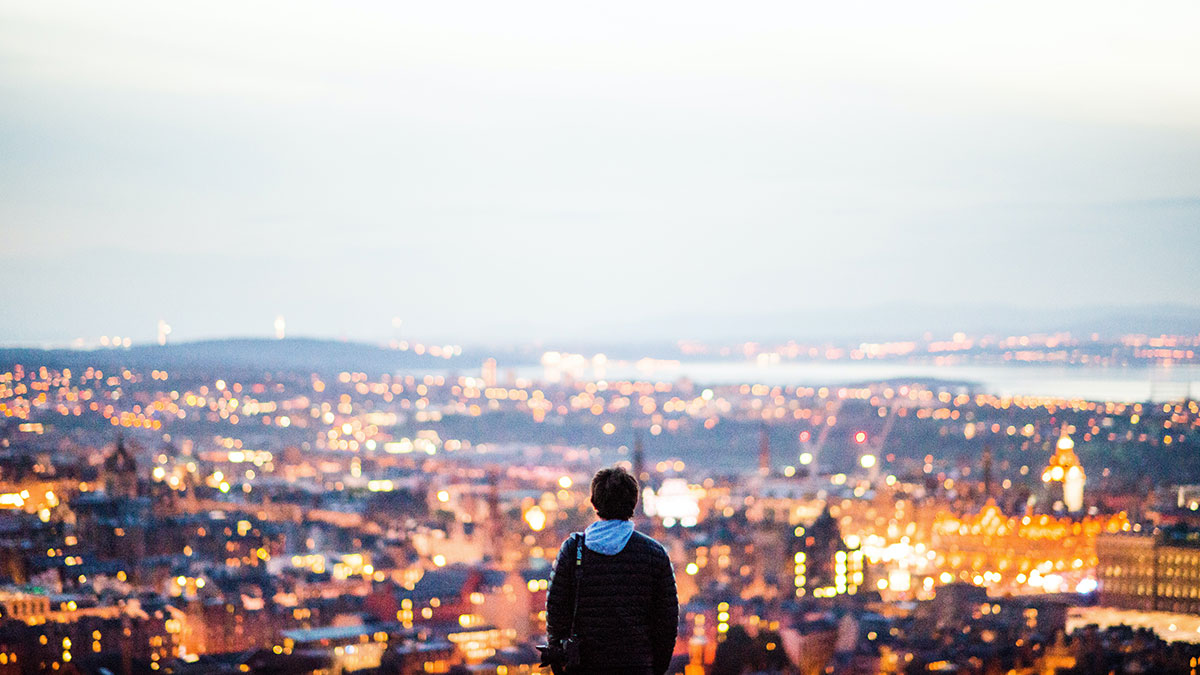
1137	383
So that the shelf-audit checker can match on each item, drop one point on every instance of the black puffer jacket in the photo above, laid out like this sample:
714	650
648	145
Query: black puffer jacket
628	609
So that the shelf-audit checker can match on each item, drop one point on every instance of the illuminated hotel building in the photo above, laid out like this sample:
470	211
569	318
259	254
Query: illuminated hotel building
1023	554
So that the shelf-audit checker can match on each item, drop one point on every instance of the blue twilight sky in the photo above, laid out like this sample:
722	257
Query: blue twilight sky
493	171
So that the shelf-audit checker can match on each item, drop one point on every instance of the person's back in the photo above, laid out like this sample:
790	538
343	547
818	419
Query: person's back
628	612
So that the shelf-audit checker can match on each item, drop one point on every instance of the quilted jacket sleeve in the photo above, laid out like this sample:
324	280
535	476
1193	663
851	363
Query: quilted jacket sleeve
560	598
664	617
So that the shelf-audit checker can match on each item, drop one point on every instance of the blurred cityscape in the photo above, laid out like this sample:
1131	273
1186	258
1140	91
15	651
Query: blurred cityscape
264	506
317	320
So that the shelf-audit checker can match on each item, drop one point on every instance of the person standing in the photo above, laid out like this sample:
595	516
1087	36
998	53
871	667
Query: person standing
628	611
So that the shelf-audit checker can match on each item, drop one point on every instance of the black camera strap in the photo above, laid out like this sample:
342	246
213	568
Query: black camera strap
578	571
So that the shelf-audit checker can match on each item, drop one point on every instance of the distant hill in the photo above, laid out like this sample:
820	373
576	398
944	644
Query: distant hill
255	354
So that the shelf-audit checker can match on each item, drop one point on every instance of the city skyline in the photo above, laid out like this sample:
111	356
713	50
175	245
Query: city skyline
209	518
856	338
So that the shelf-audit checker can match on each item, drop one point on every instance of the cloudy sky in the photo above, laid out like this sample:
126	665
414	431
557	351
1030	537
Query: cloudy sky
516	170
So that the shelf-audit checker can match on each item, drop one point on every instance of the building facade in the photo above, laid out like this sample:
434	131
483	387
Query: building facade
1155	571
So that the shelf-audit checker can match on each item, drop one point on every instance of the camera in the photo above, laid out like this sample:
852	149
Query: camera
562	656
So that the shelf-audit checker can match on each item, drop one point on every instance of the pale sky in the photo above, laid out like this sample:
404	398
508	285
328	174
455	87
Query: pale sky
494	171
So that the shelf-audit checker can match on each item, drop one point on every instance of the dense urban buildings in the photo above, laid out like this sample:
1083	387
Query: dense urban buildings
193	516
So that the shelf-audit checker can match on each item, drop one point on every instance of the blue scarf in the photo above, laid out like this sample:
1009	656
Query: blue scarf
608	536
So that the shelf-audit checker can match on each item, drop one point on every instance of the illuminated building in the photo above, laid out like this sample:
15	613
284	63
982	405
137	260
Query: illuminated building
351	648
1030	553
46	632
481	642
455	594
810	645
675	503
823	565
232	624
120	475
1064	468
1155	571
426	655
116	519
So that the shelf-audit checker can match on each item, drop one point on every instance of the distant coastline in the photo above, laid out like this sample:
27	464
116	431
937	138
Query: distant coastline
1138	382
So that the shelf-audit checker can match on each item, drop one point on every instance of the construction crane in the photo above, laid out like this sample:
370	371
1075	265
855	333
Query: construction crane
872	456
814	448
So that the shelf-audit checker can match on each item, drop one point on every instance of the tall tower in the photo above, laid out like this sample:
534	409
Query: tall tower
120	472
987	471
642	476
1065	468
495	527
639	459
488	372
1073	489
764	451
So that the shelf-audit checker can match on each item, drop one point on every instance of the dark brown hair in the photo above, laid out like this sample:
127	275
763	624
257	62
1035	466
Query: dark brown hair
614	493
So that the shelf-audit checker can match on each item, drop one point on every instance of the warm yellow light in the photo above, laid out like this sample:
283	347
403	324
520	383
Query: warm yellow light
565	482
536	518
867	461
